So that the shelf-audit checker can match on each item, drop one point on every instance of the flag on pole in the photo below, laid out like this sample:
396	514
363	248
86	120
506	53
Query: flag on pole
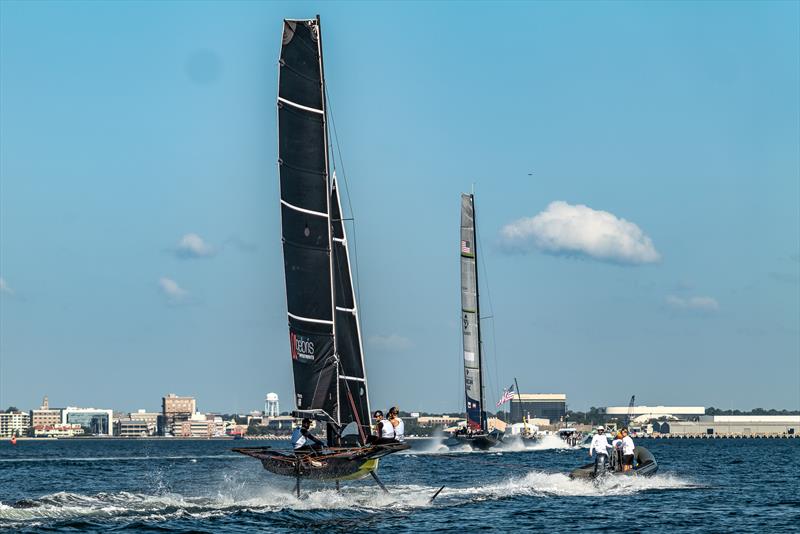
508	394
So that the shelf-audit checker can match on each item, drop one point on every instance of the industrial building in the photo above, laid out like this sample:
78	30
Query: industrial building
731	425
550	406
643	414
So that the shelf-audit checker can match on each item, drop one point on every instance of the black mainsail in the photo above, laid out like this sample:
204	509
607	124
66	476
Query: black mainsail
325	339
323	319
470	318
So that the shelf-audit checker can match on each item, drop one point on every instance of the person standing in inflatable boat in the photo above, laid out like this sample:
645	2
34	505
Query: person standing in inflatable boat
600	447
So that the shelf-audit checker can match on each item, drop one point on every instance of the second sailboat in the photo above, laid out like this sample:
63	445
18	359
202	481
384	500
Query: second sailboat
476	433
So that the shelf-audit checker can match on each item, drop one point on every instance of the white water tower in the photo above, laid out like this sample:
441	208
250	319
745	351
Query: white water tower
271	406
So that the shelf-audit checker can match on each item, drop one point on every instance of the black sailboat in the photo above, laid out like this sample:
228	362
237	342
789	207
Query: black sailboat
476	433
324	332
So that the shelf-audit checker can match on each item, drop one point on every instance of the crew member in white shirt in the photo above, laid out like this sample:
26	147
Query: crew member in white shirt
397	423
384	431
303	440
600	448
627	451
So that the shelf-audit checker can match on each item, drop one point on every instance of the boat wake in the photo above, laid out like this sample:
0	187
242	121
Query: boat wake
115	459
554	443
234	499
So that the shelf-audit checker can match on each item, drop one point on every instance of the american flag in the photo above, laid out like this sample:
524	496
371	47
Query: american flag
508	394
465	247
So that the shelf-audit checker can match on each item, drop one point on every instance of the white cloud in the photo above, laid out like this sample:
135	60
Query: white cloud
4	287
193	246
171	289
392	342
566	229
693	303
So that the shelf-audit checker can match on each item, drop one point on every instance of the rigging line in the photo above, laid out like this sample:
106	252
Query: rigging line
488	293
361	433
335	139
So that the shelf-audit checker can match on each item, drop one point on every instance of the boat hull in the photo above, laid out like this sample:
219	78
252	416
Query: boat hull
331	464
481	442
645	466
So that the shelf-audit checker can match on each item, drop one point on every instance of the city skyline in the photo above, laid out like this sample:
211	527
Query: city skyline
637	196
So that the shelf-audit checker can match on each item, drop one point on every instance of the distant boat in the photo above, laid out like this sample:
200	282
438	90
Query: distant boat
525	430
324	332
476	433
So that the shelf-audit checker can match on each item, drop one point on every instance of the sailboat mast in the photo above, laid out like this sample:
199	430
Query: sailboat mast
478	313
328	196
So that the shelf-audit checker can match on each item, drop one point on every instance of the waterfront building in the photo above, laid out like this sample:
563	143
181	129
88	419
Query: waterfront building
134	428
438	420
642	414
94	421
255	419
151	418
550	406
496	424
236	430
14	424
199	426
57	431
175	409
279	423
731	425
45	416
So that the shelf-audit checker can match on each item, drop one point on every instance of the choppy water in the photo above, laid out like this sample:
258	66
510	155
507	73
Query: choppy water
200	486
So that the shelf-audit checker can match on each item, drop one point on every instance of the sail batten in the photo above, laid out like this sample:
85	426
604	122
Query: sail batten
470	318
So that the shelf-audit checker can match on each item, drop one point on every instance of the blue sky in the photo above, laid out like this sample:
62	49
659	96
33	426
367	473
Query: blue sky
636	169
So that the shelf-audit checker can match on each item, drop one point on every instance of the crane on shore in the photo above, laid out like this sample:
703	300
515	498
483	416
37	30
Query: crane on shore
629	417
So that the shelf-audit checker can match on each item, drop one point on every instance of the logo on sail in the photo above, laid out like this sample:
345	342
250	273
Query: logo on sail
302	347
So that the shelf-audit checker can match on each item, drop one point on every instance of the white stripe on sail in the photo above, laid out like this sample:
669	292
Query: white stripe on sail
303	210
300	106
345	377
350	310
308	320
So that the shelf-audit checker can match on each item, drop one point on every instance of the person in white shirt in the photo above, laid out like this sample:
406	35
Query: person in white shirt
397	423
384	431
600	447
303	440
627	451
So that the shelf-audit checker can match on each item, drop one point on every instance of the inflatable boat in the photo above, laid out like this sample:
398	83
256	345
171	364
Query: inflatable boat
645	465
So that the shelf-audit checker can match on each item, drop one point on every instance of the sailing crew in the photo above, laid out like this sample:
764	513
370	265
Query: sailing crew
627	450
600	447
397	423
384	431
616	458
304	440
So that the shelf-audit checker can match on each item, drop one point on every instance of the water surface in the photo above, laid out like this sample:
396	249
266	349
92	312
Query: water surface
176	486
